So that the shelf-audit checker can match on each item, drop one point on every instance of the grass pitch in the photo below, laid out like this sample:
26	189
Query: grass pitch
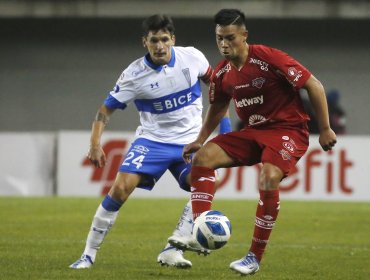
40	237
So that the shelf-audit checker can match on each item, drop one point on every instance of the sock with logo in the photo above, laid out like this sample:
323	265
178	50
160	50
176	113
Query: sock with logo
103	220
202	189
266	214
184	226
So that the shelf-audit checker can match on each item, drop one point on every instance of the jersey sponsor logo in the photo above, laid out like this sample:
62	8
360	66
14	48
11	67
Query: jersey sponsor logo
170	102
224	69
263	65
295	73
173	102
256	119
249	101
241	86
258	82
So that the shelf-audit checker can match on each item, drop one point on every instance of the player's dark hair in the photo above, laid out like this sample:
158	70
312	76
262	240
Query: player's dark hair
230	16
156	23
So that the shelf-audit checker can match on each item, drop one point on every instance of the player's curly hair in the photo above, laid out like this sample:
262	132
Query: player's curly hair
158	22
230	16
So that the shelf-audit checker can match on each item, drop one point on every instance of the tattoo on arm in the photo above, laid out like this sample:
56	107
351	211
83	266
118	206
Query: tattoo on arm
102	118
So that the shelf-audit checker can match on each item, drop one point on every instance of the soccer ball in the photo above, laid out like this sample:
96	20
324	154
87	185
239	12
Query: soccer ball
212	229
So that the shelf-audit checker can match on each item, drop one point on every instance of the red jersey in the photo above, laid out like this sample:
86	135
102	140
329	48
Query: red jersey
265	90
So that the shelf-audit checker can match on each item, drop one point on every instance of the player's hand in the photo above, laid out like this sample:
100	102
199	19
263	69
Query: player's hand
327	139
97	156
189	150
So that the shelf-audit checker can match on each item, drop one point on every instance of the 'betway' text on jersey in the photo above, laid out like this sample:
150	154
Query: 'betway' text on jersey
249	101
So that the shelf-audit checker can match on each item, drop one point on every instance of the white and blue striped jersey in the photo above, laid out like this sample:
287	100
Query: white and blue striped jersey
168	97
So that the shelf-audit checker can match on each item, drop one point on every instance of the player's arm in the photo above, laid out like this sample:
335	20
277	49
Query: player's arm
207	76
316	94
216	111
96	153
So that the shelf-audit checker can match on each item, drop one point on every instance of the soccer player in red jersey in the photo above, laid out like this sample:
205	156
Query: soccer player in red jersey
263	84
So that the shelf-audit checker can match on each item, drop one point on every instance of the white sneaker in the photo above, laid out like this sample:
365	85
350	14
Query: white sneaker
246	266
84	262
172	256
187	243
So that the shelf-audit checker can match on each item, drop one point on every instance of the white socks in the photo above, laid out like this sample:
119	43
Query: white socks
184	226
101	224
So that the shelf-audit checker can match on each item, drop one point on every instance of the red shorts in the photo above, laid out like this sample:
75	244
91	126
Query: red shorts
282	147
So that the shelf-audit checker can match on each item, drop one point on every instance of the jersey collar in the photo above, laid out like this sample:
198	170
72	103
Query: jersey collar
158	68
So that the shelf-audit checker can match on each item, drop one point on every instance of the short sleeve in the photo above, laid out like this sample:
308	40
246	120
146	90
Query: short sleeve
291	69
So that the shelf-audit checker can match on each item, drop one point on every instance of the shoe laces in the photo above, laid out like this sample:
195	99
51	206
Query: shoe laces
250	260
84	258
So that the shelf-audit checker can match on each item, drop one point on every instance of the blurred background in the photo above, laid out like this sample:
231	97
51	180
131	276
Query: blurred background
60	58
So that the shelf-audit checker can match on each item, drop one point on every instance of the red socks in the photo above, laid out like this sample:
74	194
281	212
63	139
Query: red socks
203	182
266	214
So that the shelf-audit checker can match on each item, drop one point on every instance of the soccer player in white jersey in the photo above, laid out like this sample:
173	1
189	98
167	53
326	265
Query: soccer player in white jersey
165	87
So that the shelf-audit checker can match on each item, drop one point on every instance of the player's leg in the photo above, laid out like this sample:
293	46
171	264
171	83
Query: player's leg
141	167
182	235
203	178
266	215
105	217
279	156
171	255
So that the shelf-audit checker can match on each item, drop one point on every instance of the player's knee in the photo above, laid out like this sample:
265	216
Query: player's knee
202	158
270	178
121	191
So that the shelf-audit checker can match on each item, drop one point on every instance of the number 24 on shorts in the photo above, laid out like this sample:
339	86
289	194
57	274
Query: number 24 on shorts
131	159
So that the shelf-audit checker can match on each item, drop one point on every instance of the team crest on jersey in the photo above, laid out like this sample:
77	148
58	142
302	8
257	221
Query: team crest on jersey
258	82
186	73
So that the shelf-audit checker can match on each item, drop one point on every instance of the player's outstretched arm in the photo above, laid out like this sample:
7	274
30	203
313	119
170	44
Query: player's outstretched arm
96	154
317	97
